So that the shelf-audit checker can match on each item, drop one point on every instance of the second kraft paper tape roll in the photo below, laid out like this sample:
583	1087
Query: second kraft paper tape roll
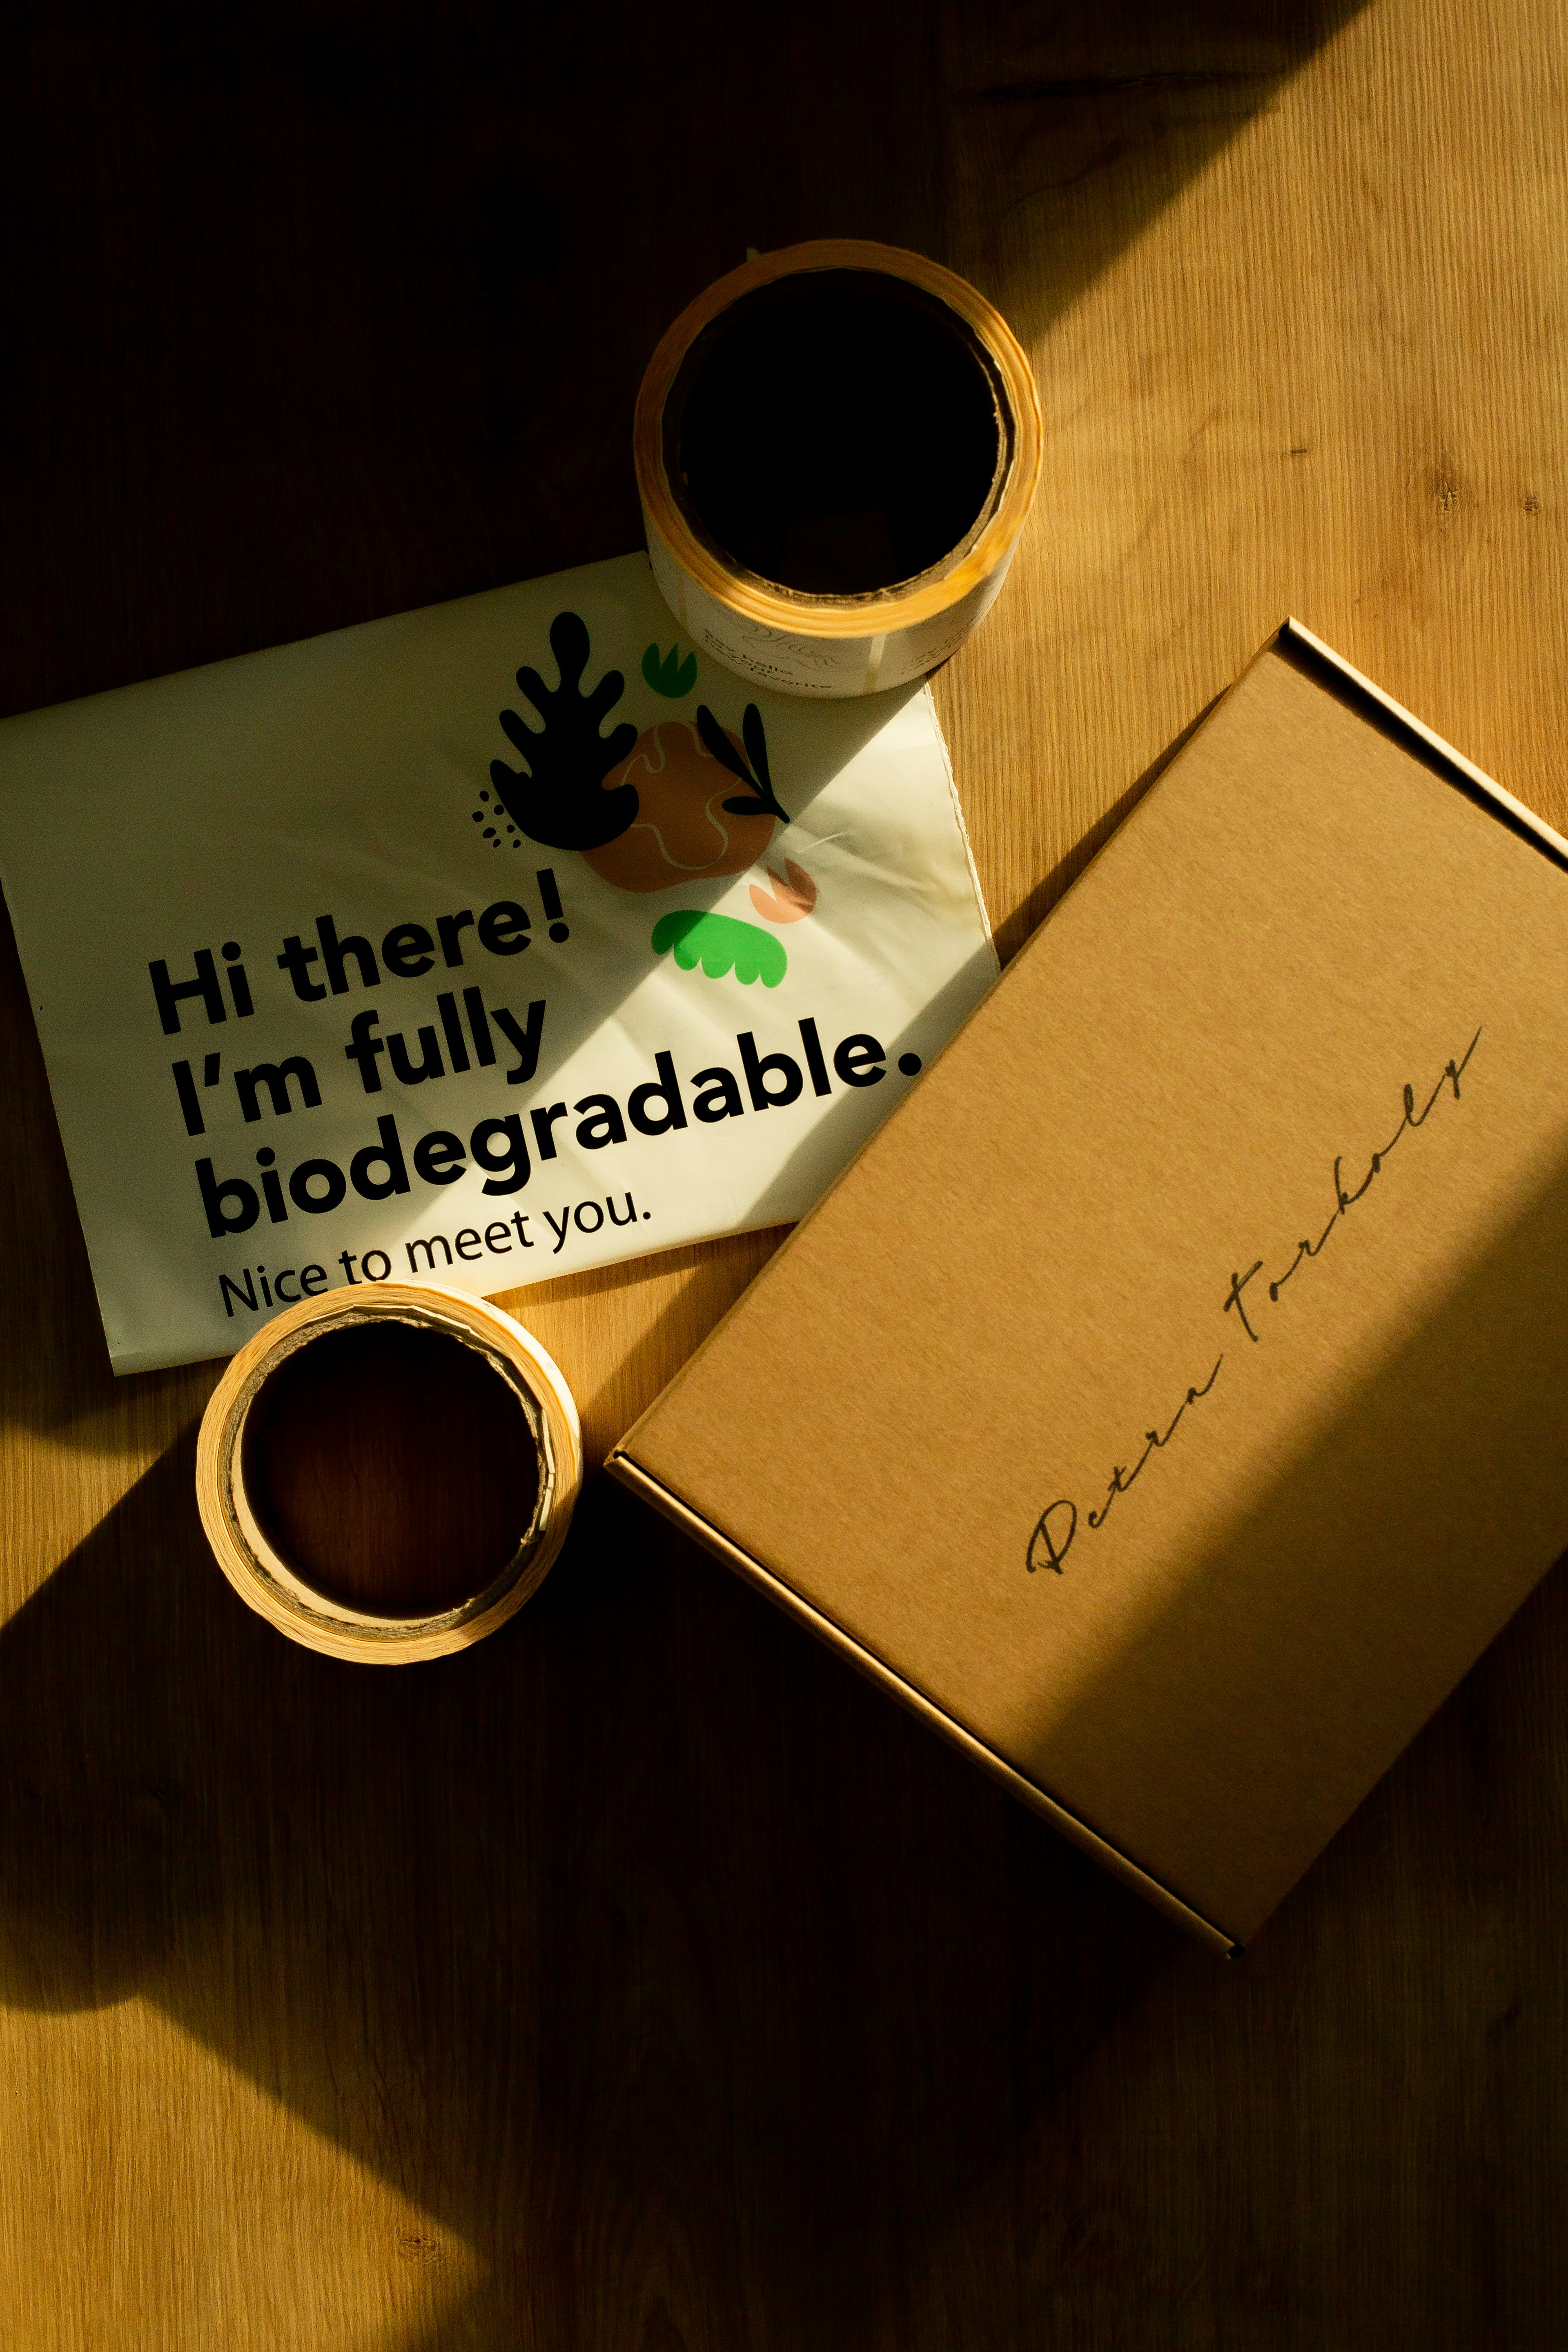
387	1475
836	448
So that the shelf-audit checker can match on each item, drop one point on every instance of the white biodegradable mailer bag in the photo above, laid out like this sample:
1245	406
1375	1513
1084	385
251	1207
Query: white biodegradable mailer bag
489	942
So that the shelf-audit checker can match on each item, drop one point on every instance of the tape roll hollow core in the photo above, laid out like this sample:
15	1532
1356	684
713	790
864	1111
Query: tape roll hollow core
253	1561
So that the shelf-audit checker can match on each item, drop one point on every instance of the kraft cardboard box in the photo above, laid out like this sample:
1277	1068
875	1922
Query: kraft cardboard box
1169	1404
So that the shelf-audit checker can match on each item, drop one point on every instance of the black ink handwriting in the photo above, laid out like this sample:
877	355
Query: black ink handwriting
1452	1071
1050	1543
1056	1528
1044	1541
1121	1478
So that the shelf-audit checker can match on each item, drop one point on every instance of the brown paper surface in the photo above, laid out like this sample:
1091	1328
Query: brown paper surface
1282	1525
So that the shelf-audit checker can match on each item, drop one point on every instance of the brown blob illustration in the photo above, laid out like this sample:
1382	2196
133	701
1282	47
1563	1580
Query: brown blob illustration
682	831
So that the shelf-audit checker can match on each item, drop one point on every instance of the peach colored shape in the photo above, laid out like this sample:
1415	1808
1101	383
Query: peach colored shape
788	902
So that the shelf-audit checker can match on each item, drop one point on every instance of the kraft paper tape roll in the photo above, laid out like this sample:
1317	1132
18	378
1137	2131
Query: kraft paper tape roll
836	448
388	1474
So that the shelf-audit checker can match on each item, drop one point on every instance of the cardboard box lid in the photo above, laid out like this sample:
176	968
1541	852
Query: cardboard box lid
1170	1399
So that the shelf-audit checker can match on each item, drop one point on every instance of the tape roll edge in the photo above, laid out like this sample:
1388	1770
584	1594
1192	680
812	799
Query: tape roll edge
360	1636
679	556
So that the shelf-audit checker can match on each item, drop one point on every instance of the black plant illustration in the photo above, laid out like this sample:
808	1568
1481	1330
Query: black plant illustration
559	797
760	800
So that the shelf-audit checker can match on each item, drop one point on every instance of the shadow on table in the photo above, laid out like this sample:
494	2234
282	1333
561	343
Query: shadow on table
1099	116
326	313
646	1914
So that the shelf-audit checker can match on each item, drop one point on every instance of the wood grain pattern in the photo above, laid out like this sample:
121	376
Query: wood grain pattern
641	1979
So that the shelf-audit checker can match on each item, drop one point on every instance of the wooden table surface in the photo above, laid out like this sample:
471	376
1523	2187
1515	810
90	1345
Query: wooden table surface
643	1980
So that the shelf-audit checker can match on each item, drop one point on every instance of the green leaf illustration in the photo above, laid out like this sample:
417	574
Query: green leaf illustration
720	944
668	674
